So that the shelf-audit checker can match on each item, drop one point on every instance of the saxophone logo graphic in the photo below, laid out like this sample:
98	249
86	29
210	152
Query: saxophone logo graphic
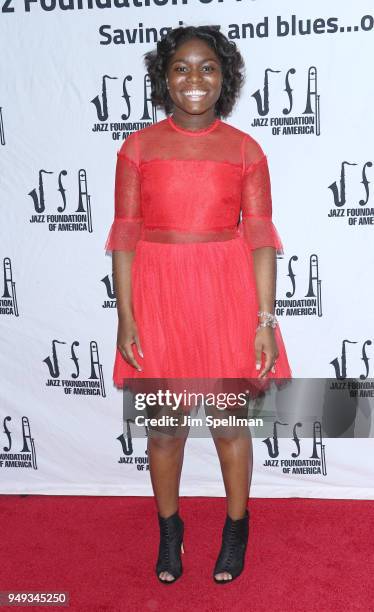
14	458
8	301
75	384
128	456
310	304
2	131
351	353
116	119
351	194
110	301
287	121
295	463
62	220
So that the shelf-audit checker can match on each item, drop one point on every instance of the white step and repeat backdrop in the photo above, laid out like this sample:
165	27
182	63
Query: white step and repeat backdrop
72	87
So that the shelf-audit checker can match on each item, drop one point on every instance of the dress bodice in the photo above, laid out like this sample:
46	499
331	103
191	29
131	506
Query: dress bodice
179	185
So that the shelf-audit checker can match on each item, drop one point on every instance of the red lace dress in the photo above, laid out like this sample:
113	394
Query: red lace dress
193	205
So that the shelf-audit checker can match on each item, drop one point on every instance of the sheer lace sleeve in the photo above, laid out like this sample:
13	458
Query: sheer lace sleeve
256	225
127	224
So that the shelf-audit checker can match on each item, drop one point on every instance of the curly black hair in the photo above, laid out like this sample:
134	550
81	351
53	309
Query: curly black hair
232	66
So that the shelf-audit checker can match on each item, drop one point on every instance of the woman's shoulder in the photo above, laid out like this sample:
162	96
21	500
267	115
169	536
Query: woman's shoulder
147	138
151	129
143	132
138	140
129	148
250	147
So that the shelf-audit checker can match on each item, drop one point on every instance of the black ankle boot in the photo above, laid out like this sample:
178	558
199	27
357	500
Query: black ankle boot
234	544
171	544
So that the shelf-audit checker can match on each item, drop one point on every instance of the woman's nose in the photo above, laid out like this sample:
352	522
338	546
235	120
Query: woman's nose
194	73
195	79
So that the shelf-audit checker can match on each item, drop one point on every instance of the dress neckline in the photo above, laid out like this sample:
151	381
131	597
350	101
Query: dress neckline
199	132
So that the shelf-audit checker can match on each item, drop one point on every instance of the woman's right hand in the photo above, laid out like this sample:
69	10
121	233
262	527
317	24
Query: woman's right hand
126	336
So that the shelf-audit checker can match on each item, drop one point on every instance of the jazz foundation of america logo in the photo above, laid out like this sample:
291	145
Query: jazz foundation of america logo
109	301
128	456
296	455
114	113
86	379
8	300
288	103
68	214
353	360
301	297
350	195
354	388
18	446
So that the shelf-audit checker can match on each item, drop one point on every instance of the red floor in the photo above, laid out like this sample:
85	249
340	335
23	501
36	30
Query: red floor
303	555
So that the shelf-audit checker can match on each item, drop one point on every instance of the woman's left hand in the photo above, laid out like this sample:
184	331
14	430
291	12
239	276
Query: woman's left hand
265	343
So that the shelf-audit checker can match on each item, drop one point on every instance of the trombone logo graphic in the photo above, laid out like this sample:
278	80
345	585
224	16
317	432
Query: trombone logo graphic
110	301
350	194
297	303
295	462
114	116
277	92
73	215
8	300
2	130
73	381
11	457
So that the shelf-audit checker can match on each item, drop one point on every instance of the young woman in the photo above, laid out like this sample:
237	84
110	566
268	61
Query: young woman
194	266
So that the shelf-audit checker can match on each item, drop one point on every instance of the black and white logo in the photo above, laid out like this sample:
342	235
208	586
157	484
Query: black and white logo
350	194
128	456
301	299
117	118
8	300
72	214
2	129
353	360
300	114
86	380
18	451
110	301
294	455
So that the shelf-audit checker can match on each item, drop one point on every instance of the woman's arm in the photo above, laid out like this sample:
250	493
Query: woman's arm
264	261
122	263
127	333
261	235
122	239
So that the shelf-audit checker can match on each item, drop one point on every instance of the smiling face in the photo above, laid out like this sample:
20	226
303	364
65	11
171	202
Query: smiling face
194	78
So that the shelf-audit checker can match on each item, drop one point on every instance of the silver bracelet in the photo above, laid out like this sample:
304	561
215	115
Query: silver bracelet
270	319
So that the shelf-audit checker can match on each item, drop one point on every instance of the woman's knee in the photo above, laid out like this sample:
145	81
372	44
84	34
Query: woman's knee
166	442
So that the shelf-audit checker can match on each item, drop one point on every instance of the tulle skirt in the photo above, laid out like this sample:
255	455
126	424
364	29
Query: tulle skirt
195	306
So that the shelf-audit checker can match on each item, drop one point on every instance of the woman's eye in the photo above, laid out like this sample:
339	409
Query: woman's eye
182	68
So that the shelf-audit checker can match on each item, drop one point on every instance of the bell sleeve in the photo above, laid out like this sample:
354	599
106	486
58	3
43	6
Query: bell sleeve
256	225
126	227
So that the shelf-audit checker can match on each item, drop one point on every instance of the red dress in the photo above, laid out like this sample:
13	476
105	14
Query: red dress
193	205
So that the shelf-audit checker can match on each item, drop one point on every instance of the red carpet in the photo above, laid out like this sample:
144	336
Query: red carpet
303	555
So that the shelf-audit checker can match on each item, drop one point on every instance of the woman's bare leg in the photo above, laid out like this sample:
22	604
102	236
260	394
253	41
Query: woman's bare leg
235	453
165	457
236	459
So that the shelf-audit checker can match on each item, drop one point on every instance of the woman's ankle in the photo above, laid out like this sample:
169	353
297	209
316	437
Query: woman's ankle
168	513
